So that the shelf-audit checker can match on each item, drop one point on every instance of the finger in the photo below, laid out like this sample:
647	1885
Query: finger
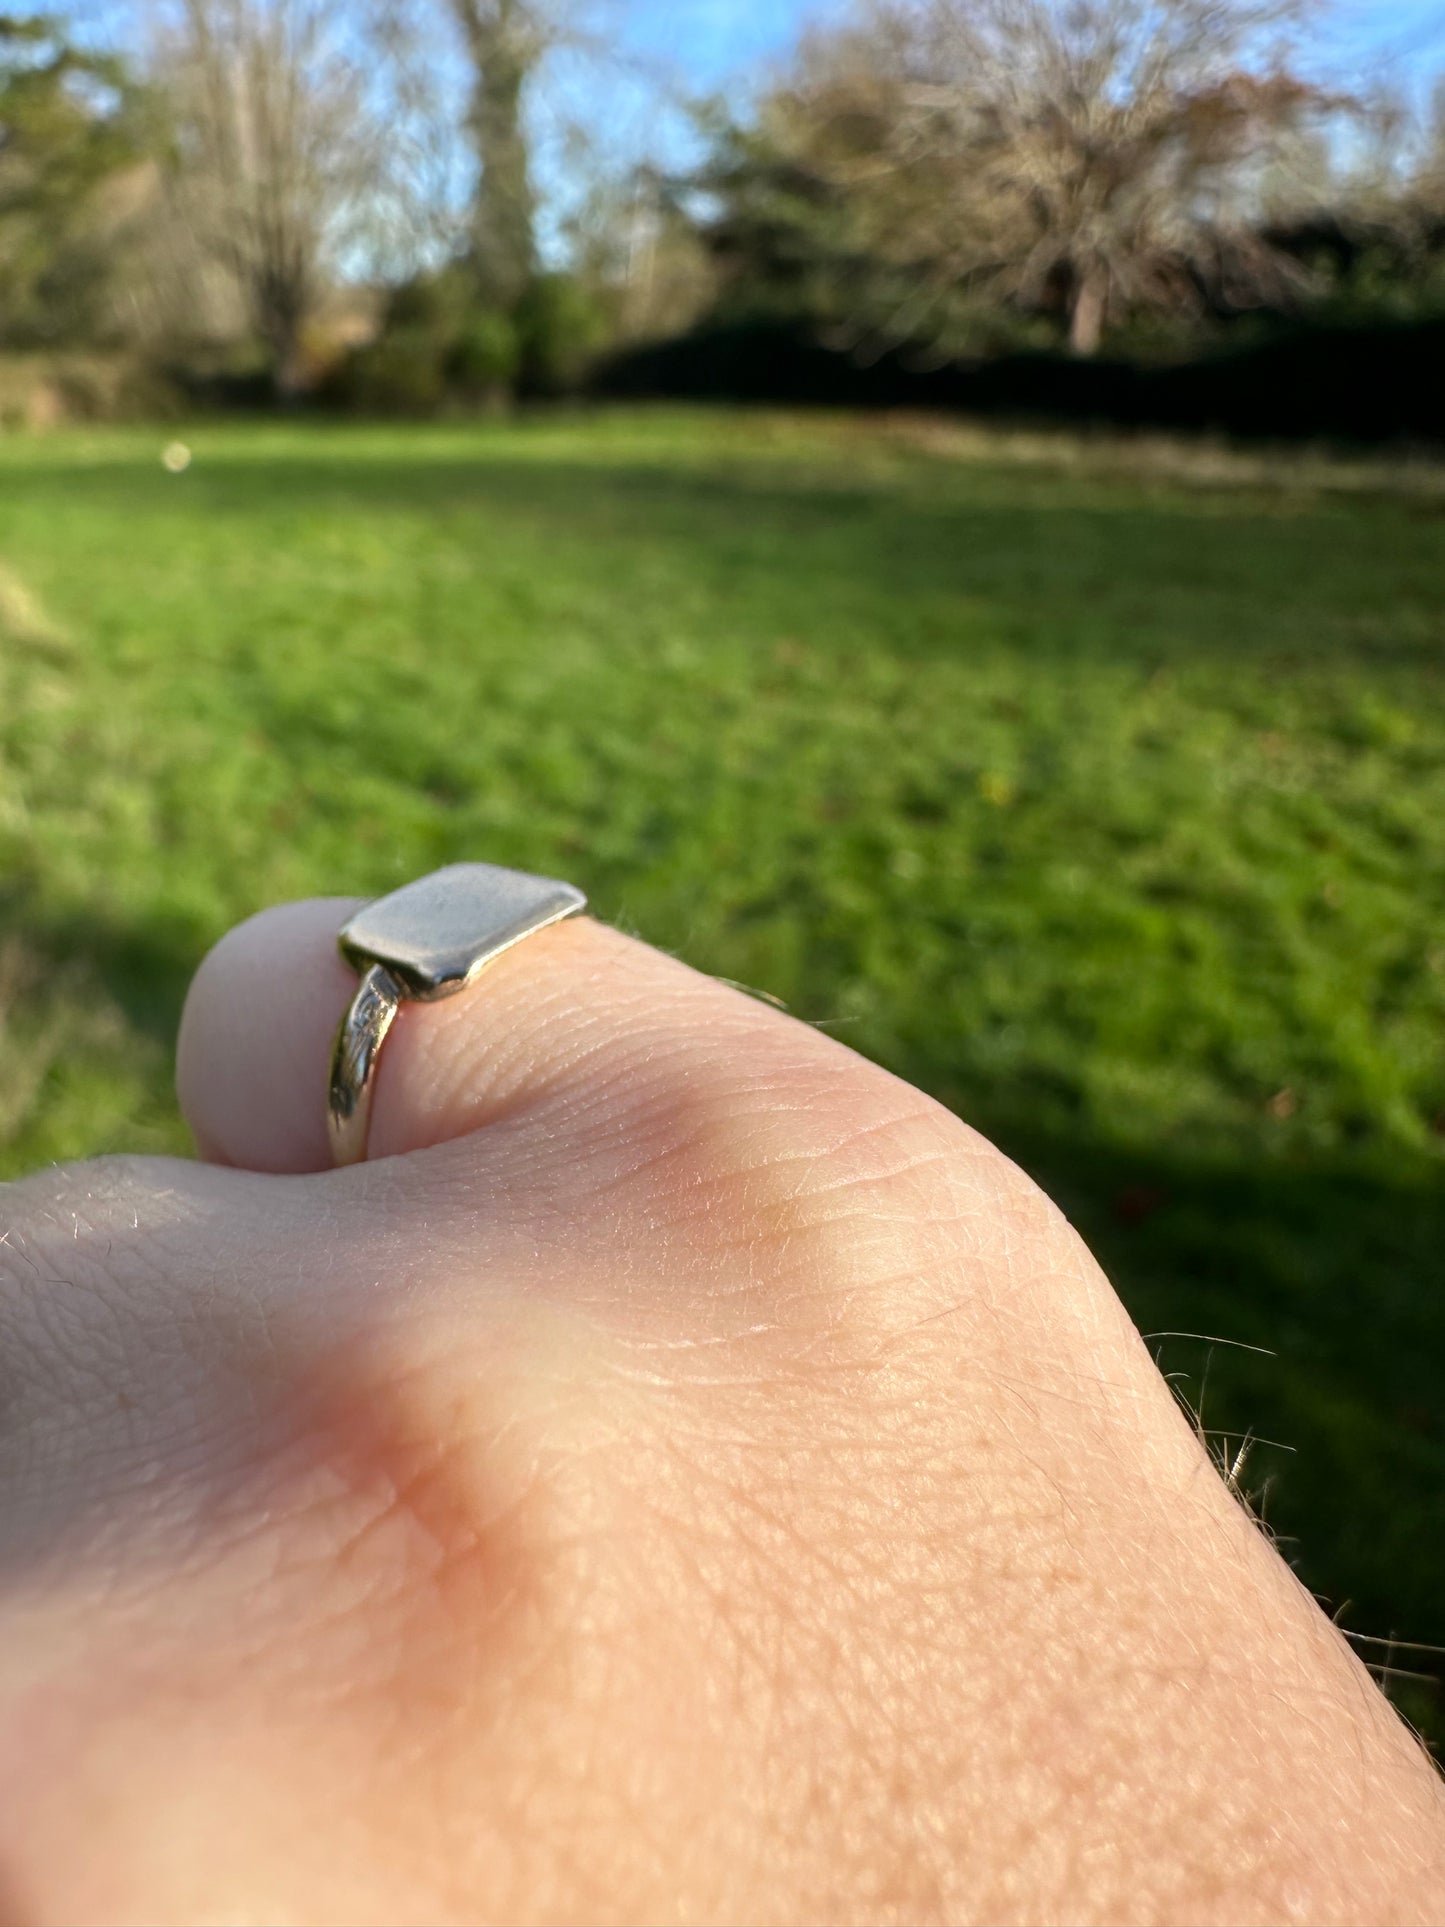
255	1042
576	1010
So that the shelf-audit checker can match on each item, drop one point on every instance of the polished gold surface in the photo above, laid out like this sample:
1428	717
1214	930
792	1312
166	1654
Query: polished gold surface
423	942
369	1017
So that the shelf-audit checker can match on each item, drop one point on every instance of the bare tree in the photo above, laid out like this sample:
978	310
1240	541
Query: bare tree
279	152
1096	156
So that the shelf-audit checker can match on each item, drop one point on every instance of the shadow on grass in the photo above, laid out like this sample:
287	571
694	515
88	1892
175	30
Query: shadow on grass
144	966
87	1044
1334	1270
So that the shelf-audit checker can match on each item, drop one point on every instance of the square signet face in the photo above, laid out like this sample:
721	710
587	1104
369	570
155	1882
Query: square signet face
436	935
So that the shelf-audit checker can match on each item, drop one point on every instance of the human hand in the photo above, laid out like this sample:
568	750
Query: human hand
685	1476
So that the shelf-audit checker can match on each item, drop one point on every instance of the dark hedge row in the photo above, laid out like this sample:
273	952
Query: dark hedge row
1364	385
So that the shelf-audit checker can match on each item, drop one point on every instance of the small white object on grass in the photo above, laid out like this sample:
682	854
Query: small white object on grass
176	457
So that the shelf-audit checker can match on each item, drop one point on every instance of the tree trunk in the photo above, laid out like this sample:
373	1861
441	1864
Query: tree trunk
289	369
1087	303
503	50
281	300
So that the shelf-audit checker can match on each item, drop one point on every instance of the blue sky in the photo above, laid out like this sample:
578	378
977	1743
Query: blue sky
1407	29
714	42
717	41
723	45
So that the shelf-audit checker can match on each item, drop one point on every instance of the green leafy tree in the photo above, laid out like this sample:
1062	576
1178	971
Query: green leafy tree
509	53
505	40
72	125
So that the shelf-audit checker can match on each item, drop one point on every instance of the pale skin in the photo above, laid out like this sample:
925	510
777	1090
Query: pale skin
684	1476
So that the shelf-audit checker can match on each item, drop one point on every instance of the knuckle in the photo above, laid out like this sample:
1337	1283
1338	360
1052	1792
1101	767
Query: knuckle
825	1185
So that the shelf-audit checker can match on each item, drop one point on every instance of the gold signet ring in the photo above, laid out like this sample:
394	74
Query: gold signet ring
424	942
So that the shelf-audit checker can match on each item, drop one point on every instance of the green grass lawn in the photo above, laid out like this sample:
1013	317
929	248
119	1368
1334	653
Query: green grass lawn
1102	796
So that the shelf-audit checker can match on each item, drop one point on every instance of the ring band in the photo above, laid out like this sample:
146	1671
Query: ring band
422	943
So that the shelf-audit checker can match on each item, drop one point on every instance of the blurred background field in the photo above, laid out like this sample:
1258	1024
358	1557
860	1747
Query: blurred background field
1098	788
1054	708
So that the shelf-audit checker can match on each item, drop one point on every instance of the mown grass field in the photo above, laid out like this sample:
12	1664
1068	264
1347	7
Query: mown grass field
1100	792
